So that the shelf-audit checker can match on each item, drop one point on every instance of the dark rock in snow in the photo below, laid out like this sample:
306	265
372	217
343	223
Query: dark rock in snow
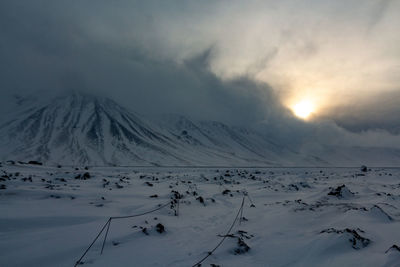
357	241
144	231
119	186
242	247
341	192
226	191
176	195
364	168
160	228
34	162
27	179
84	176
200	199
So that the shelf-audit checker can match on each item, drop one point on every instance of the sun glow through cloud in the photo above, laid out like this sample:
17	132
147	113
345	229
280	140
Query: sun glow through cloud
303	109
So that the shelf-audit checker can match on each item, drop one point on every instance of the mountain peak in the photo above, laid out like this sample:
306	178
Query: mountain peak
82	129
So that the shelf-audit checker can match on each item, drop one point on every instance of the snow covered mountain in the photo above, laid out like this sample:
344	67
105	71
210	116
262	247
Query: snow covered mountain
81	129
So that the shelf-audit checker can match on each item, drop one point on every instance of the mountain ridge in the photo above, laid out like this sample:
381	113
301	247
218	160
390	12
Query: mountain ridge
82	129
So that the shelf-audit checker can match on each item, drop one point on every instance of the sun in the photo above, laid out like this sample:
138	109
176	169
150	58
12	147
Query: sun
303	109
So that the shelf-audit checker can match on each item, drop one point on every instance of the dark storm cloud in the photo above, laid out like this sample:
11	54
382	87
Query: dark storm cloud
155	57
382	111
46	47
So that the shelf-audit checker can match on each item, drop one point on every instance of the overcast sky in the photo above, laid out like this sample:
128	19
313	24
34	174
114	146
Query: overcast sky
237	61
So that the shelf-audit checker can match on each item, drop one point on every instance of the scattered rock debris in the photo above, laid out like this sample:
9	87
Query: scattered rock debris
357	241
242	247
341	192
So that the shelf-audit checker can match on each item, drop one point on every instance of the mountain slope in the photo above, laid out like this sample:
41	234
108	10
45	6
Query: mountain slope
81	129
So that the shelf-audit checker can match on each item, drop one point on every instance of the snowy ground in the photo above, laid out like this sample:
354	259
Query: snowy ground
300	217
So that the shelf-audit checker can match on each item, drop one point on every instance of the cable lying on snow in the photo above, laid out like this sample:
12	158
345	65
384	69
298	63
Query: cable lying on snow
160	206
106	227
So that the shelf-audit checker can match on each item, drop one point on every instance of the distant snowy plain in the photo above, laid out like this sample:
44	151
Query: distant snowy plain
291	216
